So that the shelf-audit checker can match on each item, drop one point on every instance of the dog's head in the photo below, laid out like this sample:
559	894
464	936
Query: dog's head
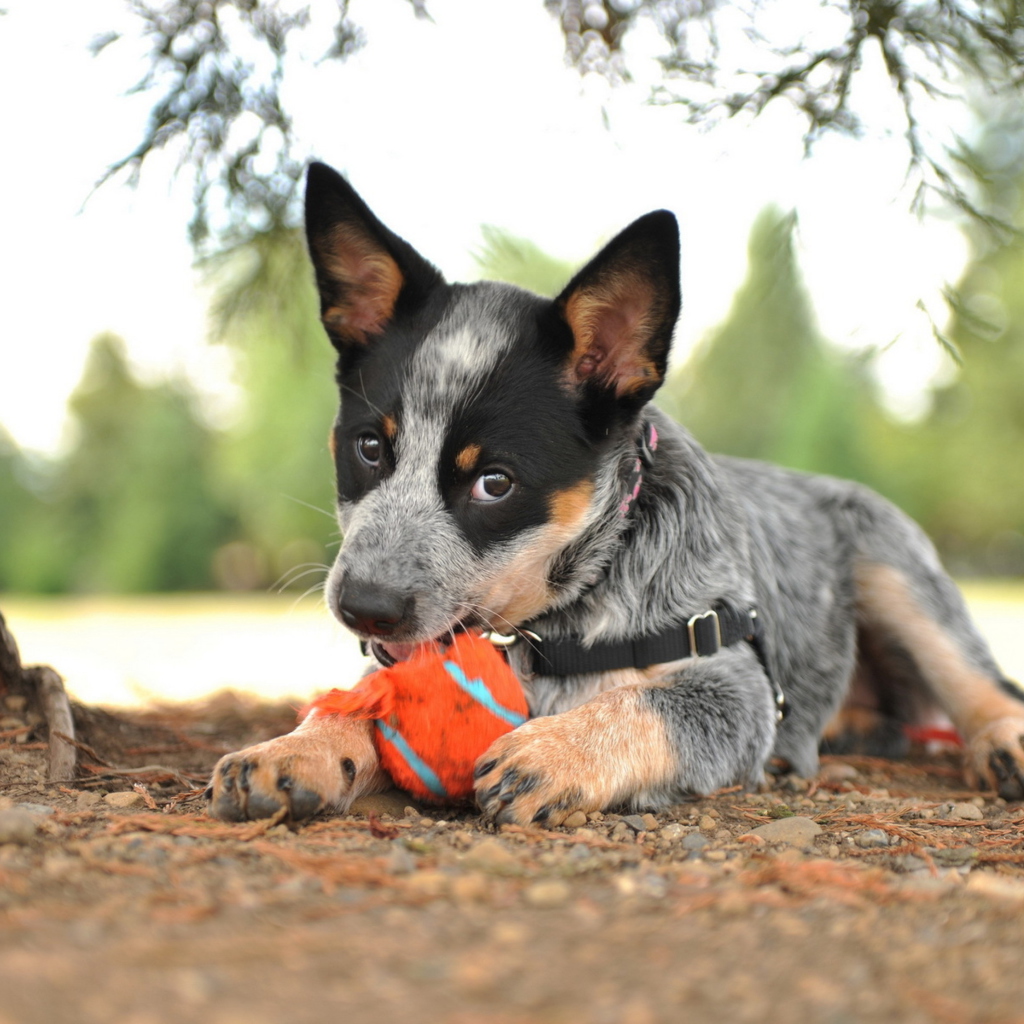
482	429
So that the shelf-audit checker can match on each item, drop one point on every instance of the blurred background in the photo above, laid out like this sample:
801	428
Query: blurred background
848	181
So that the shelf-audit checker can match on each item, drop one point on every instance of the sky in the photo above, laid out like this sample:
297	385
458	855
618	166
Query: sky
443	126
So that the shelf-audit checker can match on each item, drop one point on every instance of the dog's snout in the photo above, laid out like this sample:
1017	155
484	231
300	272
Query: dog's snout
372	609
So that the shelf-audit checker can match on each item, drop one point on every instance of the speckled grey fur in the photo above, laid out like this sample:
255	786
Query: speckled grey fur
710	527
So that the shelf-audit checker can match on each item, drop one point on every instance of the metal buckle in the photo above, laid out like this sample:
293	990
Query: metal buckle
691	629
506	640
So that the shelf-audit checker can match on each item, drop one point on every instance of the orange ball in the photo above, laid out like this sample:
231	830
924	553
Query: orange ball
436	713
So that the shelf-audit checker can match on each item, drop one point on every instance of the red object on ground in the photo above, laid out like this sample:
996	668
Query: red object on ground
435	713
933	734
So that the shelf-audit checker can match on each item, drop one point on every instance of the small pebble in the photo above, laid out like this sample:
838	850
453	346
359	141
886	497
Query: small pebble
39	810
837	771
694	841
428	883
707	823
673	830
575	820
650	822
908	862
469	888
967	812
17	826
491	856
122	801
997	887
400	860
870	838
548	893
87	799
635	822
715	855
795	830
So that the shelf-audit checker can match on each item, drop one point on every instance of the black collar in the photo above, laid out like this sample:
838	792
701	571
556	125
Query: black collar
700	636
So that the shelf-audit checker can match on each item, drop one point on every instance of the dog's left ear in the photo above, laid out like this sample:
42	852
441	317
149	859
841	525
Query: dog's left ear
622	308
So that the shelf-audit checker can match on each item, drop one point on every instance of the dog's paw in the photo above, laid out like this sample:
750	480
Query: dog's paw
995	757
526	777
324	764
609	751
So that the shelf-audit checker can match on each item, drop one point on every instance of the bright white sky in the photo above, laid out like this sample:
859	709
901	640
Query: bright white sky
442	126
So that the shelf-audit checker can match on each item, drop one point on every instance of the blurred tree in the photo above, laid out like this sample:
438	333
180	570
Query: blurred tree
506	257
32	546
135	494
765	384
274	461
218	68
961	470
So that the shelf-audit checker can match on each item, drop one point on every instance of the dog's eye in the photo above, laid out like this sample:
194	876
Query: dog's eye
491	486
368	447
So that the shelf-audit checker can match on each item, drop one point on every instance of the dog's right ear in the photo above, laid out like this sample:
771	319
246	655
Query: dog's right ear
364	272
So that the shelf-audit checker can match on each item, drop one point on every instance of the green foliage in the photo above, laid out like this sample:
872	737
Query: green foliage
131	507
506	257
765	384
961	470
274	463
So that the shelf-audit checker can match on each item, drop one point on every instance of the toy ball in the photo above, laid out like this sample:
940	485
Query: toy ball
436	713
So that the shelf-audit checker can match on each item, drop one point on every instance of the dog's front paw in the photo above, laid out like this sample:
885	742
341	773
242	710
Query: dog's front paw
536	773
995	757
612	750
325	763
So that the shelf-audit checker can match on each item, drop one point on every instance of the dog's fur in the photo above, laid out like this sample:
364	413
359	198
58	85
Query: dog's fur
452	393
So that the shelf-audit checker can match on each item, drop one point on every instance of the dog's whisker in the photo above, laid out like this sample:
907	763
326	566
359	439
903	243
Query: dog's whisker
362	394
306	504
296	573
315	589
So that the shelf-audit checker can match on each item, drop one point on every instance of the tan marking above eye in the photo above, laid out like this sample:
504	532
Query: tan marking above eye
468	457
568	507
390	427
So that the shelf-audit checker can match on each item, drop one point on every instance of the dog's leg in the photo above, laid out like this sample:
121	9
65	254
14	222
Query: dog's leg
709	724
923	611
325	763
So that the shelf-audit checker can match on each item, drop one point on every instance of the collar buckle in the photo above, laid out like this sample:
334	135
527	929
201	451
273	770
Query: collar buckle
705	633
506	640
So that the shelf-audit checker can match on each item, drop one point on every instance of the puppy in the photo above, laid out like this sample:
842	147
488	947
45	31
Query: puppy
679	621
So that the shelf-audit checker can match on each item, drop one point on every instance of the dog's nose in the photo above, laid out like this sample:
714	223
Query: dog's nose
368	608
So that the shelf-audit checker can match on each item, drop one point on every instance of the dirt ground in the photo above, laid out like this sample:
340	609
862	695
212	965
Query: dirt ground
122	903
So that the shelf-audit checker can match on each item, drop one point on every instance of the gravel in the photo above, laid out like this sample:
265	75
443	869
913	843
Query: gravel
141	916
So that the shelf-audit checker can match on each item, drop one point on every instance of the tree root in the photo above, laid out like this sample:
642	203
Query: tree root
43	687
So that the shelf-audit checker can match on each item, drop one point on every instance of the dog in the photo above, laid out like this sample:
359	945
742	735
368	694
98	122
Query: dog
679	621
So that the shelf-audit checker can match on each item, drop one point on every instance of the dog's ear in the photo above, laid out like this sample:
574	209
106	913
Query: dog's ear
364	272
622	308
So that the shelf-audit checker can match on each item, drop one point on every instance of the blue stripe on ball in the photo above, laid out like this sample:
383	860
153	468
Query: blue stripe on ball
477	689
419	767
